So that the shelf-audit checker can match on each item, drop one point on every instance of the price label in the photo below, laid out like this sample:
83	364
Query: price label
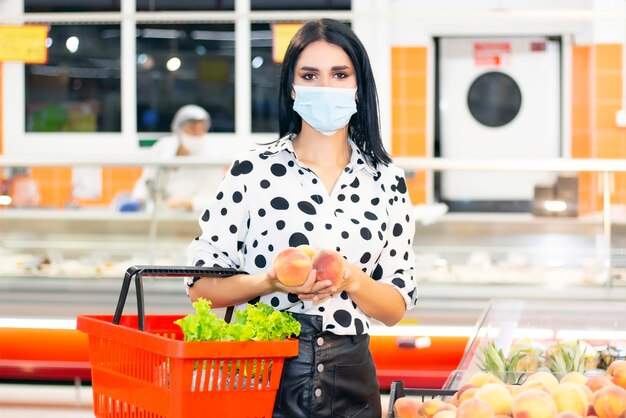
24	44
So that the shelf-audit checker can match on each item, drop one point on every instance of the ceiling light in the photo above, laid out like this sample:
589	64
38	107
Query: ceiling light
173	64
72	44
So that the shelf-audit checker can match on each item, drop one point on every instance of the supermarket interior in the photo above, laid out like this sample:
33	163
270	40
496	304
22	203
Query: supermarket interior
508	118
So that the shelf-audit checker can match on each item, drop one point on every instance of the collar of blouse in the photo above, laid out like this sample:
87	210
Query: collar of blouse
357	160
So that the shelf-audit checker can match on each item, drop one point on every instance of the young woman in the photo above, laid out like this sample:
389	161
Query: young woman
329	183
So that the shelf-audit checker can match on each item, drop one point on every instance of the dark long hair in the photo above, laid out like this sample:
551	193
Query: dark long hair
363	128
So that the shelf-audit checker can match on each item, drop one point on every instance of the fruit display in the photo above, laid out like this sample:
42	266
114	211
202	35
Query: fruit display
558	357
534	359
541	395
293	265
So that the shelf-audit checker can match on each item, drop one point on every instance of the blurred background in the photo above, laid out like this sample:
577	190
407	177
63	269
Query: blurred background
508	116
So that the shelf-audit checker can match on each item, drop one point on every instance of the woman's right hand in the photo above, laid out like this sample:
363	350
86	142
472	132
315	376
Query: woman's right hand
311	289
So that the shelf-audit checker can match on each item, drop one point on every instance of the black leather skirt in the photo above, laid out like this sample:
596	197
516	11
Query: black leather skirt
333	376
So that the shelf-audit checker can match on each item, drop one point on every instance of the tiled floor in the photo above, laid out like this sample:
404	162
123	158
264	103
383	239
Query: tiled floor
58	401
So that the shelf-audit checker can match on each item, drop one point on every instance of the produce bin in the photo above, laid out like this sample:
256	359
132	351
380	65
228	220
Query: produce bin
142	368
398	390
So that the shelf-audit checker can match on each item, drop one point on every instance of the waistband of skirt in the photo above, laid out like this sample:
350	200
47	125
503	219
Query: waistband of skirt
311	326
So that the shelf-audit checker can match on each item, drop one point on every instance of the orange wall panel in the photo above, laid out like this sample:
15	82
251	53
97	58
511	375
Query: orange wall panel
609	141
597	88
55	185
408	111
608	56
581	121
608	85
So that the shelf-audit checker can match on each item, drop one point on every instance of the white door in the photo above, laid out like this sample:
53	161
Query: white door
499	98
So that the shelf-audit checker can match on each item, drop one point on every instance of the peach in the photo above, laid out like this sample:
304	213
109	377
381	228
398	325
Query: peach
481	378
329	265
445	414
568	414
462	389
574	377
547	378
533	403
619	377
596	383
475	408
307	249
588	392
616	364
447	406
467	394
430	406
292	266
610	402
530	385
513	389
497	396
406	407
570	397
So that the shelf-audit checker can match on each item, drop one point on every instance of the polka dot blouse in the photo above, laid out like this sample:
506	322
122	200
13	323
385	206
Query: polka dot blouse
270	200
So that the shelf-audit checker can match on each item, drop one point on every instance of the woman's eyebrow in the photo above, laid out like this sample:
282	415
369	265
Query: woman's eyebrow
335	68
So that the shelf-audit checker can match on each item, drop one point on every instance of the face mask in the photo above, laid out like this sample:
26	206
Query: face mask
193	144
326	109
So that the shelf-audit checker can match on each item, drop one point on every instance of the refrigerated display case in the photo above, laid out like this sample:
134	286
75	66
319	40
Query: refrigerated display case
596	327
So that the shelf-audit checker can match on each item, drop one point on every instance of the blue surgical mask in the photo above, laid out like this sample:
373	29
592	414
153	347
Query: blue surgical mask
326	109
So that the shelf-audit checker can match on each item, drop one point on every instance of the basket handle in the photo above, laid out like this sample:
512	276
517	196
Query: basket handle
137	272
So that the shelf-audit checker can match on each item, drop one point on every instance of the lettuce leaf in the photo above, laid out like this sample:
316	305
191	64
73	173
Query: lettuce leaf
258	322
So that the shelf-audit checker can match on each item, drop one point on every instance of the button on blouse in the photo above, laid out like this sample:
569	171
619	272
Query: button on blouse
269	200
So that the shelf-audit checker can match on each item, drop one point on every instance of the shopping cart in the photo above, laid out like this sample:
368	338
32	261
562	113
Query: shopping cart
398	390
140	366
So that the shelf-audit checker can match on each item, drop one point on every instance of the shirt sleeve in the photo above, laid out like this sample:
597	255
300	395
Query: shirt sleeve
224	225
396	265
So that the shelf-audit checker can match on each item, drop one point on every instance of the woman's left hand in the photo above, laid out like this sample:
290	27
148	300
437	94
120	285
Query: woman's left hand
350	280
348	283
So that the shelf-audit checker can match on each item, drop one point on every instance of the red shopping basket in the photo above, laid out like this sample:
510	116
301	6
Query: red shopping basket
153	373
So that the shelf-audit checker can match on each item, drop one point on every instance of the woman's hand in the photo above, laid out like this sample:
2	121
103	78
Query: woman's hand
175	203
311	289
351	279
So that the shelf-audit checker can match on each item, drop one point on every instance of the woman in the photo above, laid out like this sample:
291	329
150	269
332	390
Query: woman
327	182
186	188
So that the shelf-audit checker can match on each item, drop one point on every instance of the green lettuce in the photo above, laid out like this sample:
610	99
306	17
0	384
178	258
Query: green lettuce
258	322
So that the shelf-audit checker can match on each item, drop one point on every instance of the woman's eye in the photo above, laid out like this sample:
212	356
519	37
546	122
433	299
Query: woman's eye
341	75
308	76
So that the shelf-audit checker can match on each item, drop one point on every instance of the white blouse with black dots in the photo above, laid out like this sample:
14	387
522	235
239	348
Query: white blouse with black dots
270	200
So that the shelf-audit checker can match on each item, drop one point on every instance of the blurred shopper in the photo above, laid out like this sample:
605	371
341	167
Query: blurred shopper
329	183
186	188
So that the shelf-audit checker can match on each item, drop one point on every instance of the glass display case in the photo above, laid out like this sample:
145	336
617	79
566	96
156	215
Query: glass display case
598	329
67	222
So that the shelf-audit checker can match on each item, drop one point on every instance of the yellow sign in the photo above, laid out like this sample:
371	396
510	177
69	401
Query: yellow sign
281	36
24	44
